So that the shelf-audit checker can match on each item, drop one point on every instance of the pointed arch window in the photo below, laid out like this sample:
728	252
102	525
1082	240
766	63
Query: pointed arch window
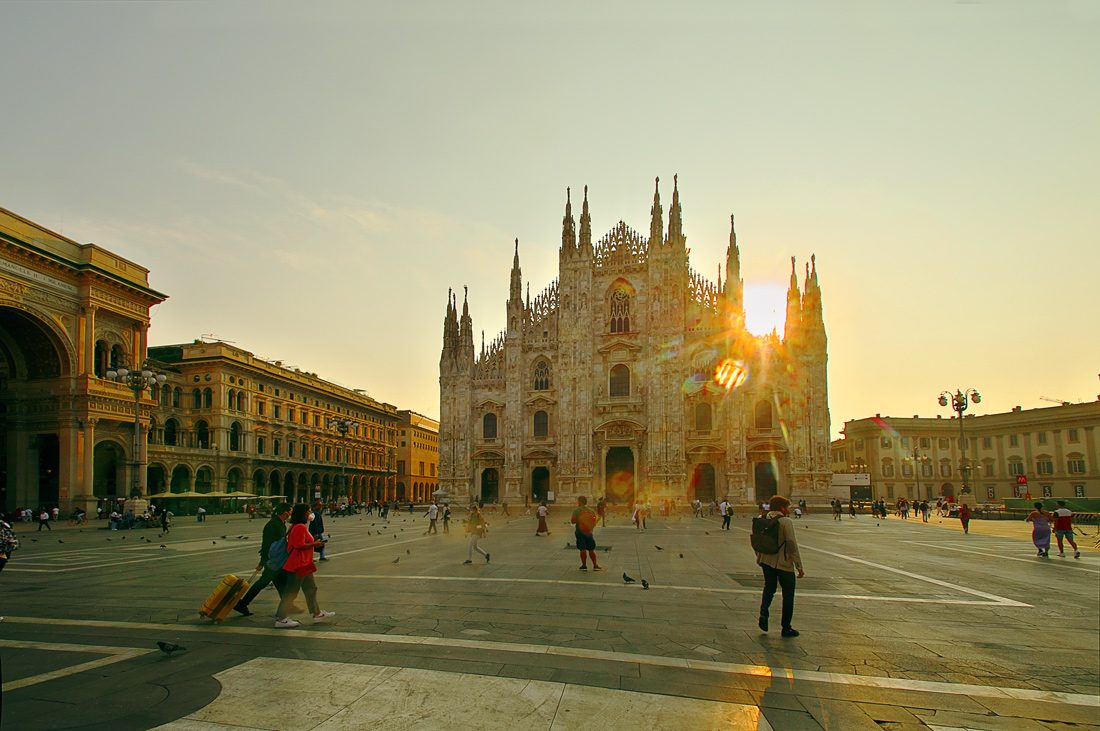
542	424
489	426
619	384
620	311
542	376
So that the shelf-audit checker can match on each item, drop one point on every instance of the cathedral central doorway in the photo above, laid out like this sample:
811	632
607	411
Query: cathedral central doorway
702	483
490	485
619	486
765	480
540	483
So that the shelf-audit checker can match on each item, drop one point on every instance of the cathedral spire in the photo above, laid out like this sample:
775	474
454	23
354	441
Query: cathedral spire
794	308
675	225
813	322
586	226
515	291
568	228
735	288
656	218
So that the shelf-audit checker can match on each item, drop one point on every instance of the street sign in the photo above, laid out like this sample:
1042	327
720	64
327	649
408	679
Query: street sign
1021	479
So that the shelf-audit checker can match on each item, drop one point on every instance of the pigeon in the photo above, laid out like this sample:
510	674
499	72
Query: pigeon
707	532
408	552
681	555
214	542
395	536
108	539
224	537
60	541
645	584
627	579
163	546
168	648
396	560
35	540
124	538
659	548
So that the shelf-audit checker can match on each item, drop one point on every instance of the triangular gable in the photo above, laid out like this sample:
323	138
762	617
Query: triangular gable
619	343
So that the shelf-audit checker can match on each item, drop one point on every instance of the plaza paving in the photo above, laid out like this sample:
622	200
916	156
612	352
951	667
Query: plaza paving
904	626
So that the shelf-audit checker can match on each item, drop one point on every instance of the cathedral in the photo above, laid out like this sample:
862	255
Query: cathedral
632	377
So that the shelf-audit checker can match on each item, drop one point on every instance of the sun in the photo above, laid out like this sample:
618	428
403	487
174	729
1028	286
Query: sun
765	308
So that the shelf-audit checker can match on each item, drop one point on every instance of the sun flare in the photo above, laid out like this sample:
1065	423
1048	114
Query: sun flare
765	308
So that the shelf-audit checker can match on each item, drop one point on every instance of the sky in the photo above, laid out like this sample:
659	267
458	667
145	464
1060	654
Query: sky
308	180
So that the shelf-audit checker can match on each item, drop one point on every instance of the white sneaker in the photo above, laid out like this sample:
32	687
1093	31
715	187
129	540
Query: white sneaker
287	623
323	616
1061	555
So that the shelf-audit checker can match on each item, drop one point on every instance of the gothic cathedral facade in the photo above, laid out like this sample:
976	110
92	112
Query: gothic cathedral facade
632	377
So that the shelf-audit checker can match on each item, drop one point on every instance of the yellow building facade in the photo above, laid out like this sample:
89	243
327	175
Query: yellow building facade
417	457
227	421
68	313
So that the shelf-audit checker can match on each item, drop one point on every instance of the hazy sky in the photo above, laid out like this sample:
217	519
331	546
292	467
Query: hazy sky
307	179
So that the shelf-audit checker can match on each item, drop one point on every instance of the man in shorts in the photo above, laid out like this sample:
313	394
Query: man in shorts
1063	529
585	518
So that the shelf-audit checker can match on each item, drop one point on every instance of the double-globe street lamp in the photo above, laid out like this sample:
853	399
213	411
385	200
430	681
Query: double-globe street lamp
138	381
343	426
959	401
918	463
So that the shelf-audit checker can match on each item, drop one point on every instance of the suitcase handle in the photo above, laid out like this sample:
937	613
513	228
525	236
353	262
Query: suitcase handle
253	577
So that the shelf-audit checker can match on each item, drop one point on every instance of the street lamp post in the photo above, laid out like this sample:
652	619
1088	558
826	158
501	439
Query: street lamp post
959	401
137	381
918	462
343	426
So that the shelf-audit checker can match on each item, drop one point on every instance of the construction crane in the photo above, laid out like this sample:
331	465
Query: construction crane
1062	402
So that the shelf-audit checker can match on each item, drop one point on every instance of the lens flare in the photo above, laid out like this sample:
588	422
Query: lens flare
731	374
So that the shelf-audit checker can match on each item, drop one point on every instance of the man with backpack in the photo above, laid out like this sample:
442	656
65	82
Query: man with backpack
777	555
274	531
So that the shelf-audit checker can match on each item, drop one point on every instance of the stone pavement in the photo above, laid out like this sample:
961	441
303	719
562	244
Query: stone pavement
904	626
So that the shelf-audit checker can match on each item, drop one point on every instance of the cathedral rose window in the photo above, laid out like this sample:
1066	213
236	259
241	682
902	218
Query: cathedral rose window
542	376
620	311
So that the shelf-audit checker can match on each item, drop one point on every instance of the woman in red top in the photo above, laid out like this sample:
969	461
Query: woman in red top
964	517
299	567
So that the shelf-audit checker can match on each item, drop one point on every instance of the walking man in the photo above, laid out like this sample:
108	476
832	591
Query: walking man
584	518
433	515
780	567
1063	529
722	510
477	528
274	531
44	520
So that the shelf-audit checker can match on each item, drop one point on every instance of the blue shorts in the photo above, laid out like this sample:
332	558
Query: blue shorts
585	542
1063	534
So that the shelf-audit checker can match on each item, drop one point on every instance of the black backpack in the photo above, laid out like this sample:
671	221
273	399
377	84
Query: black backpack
765	536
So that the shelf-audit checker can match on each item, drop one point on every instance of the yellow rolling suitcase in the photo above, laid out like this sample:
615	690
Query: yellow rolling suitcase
228	593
